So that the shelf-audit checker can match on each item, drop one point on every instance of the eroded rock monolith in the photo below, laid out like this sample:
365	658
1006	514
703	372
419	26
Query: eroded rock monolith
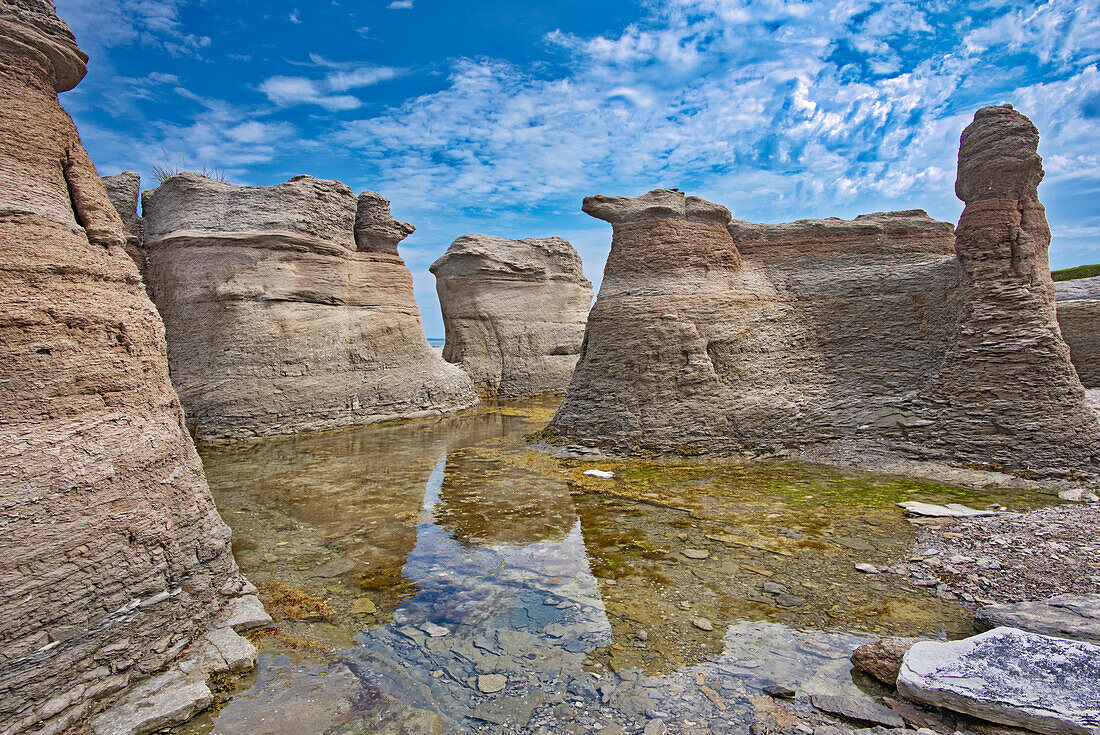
1078	306
514	312
1006	394
288	309
889	341
113	558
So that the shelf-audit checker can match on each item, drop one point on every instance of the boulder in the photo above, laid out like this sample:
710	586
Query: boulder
288	310
883	342
123	190
112	555
1065	616
882	658
1078	307
514	312
1049	685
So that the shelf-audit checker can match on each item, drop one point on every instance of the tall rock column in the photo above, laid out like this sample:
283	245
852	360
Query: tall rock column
288	309
1007	394
112	555
514	311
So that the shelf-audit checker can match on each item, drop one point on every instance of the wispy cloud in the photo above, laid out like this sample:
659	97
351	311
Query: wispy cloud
329	91
294	17
400	5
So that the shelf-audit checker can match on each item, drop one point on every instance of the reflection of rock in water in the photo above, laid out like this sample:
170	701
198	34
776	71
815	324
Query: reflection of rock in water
485	500
334	516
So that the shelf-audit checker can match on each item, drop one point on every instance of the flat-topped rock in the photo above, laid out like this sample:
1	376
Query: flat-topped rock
1079	288
288	310
1049	685
514	312
1078	308
114	558
1064	616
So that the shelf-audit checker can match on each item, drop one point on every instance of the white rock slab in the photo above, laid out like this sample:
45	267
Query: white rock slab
156	703
951	510
1050	685
602	474
1064	616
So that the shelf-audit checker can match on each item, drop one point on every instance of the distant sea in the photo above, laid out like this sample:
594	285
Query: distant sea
436	341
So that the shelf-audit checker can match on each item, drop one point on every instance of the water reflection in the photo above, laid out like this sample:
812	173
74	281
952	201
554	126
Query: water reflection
443	577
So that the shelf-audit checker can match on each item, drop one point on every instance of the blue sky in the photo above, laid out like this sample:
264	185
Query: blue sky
499	117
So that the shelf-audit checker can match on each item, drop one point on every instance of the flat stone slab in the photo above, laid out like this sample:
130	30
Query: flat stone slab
860	709
1064	616
156	703
951	510
1013	677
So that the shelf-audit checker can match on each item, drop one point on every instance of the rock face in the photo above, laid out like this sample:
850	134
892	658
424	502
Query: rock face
514	311
882	658
1078	306
112	555
288	310
889	337
1065	616
123	190
1049	685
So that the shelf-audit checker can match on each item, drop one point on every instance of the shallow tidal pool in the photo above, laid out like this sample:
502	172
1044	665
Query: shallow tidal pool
444	577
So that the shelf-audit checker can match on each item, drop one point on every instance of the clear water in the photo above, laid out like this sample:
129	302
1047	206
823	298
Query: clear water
414	568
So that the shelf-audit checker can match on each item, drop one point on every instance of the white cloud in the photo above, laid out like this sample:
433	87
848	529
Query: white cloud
102	24
327	92
294	17
400	5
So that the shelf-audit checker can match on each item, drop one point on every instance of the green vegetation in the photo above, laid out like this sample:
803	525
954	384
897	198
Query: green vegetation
1080	271
169	169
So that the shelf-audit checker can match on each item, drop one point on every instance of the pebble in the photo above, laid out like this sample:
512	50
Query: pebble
780	691
603	475
702	624
490	683
695	553
435	631
867	568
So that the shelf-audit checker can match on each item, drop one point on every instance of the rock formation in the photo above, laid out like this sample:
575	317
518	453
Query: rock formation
288	310
869	341
1078	306
113	558
123	190
514	312
1006	394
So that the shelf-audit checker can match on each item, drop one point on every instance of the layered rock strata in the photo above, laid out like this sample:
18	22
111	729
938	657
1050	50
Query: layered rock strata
123	190
514	312
1007	394
113	558
288	309
884	338
1078	306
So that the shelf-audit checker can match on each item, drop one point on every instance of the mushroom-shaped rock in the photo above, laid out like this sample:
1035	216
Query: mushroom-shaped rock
514	312
112	555
277	322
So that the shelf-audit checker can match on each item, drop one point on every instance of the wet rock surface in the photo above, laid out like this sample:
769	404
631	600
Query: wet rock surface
1050	685
1064	616
287	309
514	311
112	555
